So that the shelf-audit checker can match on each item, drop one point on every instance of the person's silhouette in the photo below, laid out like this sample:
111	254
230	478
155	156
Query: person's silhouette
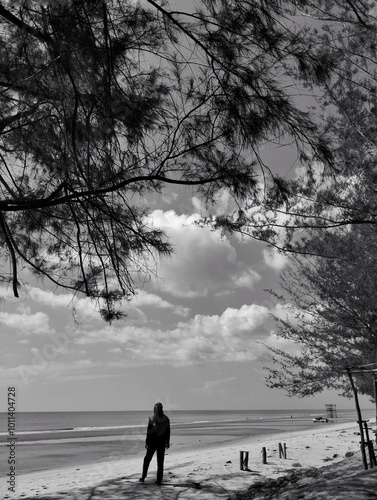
158	438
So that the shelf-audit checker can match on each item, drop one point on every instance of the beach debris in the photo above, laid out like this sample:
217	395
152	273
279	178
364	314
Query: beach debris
228	462
196	486
320	419
349	454
296	464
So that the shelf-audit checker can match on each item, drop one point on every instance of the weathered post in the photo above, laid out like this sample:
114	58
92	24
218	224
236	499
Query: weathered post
282	450
264	455
360	422
244	460
372	456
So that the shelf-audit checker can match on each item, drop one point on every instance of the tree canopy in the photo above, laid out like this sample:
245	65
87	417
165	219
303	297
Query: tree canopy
330	316
104	103
327	222
316	197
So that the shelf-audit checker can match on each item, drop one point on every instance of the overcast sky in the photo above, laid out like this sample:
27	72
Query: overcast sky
194	337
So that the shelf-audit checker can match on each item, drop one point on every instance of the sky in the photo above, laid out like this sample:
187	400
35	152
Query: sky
195	336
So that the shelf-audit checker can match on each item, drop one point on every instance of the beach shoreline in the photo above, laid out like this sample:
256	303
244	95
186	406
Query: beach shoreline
215	467
39	451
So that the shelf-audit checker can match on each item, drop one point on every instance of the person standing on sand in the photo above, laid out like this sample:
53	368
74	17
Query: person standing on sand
158	438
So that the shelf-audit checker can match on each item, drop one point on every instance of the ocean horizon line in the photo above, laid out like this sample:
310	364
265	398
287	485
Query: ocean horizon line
338	407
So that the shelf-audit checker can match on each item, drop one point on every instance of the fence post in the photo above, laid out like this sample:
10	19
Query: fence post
282	450
244	460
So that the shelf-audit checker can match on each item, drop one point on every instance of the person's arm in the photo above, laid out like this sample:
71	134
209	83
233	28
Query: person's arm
167	439
149	432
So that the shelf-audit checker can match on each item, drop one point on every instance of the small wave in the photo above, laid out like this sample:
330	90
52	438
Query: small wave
75	429
104	428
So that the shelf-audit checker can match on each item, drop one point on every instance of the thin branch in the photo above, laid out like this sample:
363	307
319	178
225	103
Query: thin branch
6	14
9	242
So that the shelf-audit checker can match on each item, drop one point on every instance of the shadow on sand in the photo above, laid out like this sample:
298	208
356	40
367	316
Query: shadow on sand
131	488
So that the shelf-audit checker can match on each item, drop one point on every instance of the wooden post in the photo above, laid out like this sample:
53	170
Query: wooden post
282	450
244	460
360	422
372	456
264	455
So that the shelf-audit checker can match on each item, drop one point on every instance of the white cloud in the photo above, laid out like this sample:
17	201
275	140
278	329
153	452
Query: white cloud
246	278
223	204
44	369
204	260
197	204
144	298
82	306
27	323
230	336
49	298
169	198
282	344
273	258
211	385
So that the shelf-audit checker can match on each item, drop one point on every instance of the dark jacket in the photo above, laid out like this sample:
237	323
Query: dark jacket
158	432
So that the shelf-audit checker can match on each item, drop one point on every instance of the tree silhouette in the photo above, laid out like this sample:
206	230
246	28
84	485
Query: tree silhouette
106	103
330	316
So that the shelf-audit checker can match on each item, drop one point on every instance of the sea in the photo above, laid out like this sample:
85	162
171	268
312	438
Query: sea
59	439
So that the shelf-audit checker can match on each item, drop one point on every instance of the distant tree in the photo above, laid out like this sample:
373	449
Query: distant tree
104	104
318	197
331	314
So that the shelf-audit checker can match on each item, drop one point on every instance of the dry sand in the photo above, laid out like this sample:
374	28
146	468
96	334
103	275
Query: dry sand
213	472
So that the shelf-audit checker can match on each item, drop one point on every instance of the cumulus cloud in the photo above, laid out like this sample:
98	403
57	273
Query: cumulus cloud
223	204
83	306
282	344
49	298
230	336
204	261
144	298
273	258
27	323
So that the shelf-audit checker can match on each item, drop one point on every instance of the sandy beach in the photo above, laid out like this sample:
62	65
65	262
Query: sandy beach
212	470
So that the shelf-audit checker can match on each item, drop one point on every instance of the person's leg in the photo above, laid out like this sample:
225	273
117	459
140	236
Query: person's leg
160	463
147	460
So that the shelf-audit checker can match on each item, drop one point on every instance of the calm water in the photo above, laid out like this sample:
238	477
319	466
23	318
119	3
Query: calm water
97	420
50	422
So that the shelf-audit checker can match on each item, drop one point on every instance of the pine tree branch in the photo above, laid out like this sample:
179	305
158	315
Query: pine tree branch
9	242
6	14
